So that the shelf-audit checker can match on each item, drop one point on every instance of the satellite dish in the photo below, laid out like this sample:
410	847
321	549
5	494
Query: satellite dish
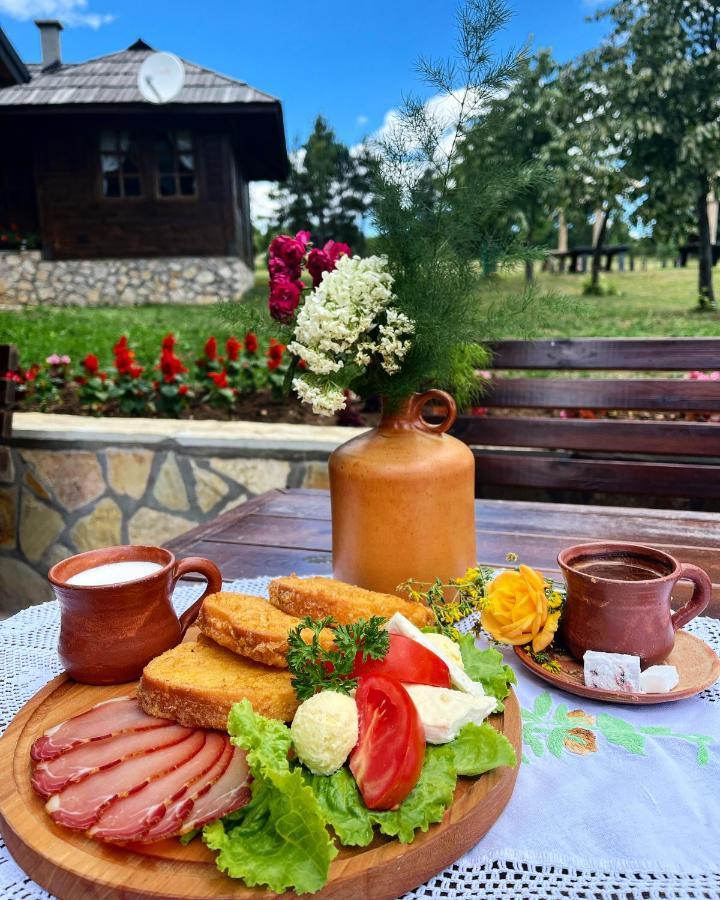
161	77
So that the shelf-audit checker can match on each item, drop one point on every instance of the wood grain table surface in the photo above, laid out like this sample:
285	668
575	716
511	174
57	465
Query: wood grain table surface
284	531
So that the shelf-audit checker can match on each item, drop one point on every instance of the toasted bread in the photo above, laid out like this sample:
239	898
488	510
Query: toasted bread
318	597
197	682
251	627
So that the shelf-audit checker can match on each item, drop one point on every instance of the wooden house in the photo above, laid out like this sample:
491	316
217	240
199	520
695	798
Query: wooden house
96	171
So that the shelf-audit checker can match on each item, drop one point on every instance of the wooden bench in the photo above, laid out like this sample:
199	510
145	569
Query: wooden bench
586	455
8	363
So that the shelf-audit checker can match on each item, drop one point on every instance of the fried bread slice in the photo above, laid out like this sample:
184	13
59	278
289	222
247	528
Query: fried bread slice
318	597
197	682
251	626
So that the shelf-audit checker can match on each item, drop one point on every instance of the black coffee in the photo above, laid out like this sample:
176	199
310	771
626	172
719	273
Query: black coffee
620	568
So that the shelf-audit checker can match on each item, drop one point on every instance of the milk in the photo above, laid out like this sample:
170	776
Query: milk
115	573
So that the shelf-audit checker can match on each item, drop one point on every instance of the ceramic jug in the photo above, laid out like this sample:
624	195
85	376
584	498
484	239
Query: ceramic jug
403	499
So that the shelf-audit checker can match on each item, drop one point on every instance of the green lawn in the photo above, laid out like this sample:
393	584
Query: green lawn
655	303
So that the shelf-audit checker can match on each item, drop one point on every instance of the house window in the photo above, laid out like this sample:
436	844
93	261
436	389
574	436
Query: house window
120	164
176	165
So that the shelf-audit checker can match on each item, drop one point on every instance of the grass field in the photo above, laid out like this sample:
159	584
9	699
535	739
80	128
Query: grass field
654	303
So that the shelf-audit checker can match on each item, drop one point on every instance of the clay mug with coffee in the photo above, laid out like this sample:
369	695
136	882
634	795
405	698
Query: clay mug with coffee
619	596
116	612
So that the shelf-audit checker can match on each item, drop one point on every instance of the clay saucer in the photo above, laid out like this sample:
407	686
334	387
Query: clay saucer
697	664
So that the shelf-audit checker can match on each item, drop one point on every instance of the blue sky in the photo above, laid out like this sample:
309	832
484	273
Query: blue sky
350	61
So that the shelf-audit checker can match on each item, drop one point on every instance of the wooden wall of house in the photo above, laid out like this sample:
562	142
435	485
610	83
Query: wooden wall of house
77	221
17	182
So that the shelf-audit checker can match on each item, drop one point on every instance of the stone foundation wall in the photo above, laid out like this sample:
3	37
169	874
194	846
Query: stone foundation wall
28	280
69	484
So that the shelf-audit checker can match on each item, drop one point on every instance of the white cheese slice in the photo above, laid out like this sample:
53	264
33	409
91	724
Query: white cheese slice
444	712
659	679
617	672
398	624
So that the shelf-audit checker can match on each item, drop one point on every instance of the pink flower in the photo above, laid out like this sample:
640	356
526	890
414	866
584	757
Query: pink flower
65	360
486	375
715	376
278	268
284	299
53	360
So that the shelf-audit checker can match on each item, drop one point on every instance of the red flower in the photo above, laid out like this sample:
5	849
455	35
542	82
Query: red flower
219	379
251	342
275	354
182	390
278	268
290	250
125	359
91	364
284	299
13	376
325	260
233	347
168	342
170	365
211	348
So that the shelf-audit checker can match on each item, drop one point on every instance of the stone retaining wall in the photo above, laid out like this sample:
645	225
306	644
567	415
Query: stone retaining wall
28	280
70	483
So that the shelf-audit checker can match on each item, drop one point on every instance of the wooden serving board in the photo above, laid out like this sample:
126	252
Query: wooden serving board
69	866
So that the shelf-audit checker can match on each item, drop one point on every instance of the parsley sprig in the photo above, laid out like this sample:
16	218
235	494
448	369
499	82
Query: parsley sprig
315	668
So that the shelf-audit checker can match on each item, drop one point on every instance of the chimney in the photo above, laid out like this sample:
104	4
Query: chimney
50	41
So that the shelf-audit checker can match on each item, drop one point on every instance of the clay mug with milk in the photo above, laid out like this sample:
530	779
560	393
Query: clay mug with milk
116	612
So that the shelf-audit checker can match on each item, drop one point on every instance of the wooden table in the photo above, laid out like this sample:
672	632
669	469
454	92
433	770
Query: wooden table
286	531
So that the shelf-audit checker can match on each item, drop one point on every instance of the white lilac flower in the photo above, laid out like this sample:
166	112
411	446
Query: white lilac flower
393	349
349	319
325	399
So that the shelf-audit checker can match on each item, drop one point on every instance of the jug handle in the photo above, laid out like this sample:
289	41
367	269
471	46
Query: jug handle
442	397
203	567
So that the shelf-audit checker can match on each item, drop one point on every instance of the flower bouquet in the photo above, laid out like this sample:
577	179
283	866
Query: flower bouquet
412	316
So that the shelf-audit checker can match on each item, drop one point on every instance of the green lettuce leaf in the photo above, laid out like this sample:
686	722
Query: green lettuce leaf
342	806
480	748
487	667
427	801
279	839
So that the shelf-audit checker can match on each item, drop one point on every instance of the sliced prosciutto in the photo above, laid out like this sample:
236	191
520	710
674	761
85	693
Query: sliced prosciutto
230	792
102	721
179	809
51	776
129	818
80	805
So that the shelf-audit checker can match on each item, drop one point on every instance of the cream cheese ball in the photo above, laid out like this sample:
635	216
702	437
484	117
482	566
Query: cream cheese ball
324	731
447	647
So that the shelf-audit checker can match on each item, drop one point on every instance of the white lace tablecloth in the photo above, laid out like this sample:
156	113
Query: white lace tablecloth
611	802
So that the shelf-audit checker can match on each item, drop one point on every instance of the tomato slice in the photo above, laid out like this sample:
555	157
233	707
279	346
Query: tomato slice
390	752
406	660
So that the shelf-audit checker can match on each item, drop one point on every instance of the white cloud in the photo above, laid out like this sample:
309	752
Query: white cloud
262	206
70	12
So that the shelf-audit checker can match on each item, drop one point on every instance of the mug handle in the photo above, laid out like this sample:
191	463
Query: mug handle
440	397
700	597
214	584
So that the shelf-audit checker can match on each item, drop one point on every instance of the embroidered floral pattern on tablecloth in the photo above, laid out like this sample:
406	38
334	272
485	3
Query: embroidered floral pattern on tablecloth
560	729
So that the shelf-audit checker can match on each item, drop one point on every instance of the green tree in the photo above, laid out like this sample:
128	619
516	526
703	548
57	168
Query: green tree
660	66
327	191
521	127
593	179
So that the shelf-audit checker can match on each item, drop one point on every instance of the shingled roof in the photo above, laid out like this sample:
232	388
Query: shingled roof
112	79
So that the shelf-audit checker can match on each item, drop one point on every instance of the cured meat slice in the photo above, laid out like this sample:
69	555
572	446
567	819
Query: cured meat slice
230	792
53	775
129	818
179	810
107	718
80	805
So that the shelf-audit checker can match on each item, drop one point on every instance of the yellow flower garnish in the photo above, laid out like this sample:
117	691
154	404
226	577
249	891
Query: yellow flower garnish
517	611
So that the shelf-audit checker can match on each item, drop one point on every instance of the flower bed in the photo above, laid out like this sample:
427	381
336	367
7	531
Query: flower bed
243	379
